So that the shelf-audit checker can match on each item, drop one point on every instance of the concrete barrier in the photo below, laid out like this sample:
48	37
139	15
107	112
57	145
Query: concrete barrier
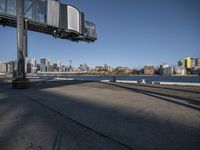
157	82
120	81
180	83
104	80
126	81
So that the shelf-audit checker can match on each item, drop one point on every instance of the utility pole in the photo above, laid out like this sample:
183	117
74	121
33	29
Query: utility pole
21	81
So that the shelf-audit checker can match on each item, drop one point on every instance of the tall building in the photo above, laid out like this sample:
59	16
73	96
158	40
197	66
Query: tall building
33	62
27	65
59	65
49	66
33	66
43	67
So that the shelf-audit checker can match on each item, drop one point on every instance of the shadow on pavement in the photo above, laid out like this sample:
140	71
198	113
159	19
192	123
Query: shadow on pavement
37	119
56	83
167	88
165	98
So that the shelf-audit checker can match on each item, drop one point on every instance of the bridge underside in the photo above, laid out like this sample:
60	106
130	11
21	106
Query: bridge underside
8	20
41	16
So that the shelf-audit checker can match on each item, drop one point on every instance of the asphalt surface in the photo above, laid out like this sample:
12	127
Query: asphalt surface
60	115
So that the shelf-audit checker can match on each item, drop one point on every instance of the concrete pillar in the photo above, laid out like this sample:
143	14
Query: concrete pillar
20	38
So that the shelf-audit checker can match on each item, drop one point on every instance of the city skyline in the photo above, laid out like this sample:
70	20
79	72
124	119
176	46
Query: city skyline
48	61
132	35
187	66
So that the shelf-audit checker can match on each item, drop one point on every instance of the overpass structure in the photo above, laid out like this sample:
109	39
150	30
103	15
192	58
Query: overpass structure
45	16
50	17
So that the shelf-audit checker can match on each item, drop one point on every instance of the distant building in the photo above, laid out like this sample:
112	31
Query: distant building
49	66
55	67
169	71
99	68
43	67
7	69
197	62
2	67
84	67
27	65
149	70
59	65
2	70
16	65
166	70
10	67
34	67
179	71
193	63
181	63
189	64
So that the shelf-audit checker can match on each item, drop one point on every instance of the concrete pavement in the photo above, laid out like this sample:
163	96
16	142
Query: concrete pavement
92	115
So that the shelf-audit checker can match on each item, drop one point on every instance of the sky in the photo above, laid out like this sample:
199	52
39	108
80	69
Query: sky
131	33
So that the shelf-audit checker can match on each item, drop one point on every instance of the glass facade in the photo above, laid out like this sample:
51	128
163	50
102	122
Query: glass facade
50	13
33	9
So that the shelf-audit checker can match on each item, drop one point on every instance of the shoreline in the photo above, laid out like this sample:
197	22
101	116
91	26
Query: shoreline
156	83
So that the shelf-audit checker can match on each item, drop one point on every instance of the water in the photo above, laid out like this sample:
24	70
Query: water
188	79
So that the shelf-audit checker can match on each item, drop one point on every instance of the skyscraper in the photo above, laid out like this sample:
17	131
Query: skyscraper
33	66
43	67
59	65
49	65
27	65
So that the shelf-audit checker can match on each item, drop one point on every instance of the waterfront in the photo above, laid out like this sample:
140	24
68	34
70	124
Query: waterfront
149	79
137	88
91	115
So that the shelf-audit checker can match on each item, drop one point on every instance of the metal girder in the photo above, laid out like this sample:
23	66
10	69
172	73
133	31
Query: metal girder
35	11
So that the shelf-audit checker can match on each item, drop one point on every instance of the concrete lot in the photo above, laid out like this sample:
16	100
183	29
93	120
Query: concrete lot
56	115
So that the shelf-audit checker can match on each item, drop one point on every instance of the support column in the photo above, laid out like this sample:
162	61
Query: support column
25	53
20	38
21	81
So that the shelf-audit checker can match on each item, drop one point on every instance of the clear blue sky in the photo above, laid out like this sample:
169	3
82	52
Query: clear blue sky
130	33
